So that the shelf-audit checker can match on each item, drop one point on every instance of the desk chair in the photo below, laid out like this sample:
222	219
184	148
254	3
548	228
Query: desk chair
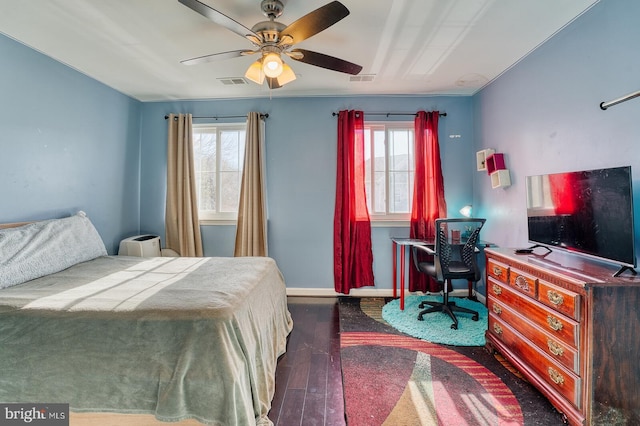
454	257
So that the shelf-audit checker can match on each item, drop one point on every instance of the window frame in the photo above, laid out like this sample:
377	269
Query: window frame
388	218
212	217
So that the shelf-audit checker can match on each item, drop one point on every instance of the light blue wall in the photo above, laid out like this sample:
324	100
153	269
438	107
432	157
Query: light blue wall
301	168
67	143
544	113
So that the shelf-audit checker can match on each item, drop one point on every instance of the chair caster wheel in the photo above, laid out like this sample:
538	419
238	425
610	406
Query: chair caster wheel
454	326
420	318
421	305
474	318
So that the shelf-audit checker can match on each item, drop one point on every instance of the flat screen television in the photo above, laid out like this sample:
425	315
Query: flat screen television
589	212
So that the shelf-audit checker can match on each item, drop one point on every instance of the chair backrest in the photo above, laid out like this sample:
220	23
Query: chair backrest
456	241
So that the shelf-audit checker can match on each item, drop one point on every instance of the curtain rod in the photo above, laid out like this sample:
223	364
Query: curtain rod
262	115
442	114
605	105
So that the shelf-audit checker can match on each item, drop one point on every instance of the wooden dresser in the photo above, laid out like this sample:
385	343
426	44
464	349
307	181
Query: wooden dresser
571	328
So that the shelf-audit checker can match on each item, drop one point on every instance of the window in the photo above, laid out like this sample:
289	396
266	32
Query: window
218	152
389	168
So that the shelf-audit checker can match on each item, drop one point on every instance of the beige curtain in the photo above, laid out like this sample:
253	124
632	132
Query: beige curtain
182	227
251	231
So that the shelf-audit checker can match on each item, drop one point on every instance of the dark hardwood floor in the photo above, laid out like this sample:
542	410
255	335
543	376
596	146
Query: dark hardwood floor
308	377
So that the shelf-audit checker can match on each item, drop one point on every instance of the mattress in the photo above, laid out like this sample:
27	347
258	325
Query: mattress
176	338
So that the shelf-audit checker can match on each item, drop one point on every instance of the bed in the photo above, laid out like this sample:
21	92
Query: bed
193	340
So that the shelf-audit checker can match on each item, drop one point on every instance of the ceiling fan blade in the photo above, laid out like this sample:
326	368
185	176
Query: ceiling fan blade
325	61
216	57
219	18
316	21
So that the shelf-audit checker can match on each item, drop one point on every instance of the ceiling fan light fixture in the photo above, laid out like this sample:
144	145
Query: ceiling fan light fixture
254	72
287	75
272	65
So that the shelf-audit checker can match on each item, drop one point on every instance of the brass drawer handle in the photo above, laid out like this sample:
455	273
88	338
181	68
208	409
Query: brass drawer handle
554	323
497	329
497	309
497	290
555	297
555	376
497	271
522	283
555	348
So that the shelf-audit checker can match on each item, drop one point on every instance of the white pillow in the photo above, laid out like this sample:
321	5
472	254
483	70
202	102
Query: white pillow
42	248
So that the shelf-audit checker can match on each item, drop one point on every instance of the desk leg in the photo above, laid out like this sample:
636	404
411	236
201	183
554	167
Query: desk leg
395	267
402	248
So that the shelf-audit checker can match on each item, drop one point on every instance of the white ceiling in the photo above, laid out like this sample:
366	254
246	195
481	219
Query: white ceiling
439	47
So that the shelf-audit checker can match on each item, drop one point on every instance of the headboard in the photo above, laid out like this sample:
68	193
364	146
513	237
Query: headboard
12	225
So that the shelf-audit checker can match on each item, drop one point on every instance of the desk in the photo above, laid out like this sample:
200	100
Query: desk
404	243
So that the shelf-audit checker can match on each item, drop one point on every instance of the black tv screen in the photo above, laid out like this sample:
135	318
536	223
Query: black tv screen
590	212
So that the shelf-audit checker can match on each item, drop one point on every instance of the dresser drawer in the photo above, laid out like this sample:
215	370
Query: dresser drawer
498	270
555	375
554	348
560	299
557	325
523	282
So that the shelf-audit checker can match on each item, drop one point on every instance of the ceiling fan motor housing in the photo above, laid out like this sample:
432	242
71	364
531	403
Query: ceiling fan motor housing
269	31
272	8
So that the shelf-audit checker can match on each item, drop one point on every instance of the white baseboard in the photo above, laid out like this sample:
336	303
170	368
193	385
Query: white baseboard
364	292
312	292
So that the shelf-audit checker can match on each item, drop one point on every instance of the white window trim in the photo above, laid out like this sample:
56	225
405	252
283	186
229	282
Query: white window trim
386	223
217	222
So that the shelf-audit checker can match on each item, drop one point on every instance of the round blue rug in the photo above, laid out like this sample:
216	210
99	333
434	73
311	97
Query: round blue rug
436	326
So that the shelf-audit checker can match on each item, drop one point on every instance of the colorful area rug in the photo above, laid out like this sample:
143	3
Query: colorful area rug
391	378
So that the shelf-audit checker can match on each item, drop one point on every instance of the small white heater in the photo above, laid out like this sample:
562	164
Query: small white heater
140	246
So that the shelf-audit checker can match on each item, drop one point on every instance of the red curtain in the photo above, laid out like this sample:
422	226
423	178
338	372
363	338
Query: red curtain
352	254
428	191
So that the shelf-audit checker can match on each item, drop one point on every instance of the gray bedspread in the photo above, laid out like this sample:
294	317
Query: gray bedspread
175	337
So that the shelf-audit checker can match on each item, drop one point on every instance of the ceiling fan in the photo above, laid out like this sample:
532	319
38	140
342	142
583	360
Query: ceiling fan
271	39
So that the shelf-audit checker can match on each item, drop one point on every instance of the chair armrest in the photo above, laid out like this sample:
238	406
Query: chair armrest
425	249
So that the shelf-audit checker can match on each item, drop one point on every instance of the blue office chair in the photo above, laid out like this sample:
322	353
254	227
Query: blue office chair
454	257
